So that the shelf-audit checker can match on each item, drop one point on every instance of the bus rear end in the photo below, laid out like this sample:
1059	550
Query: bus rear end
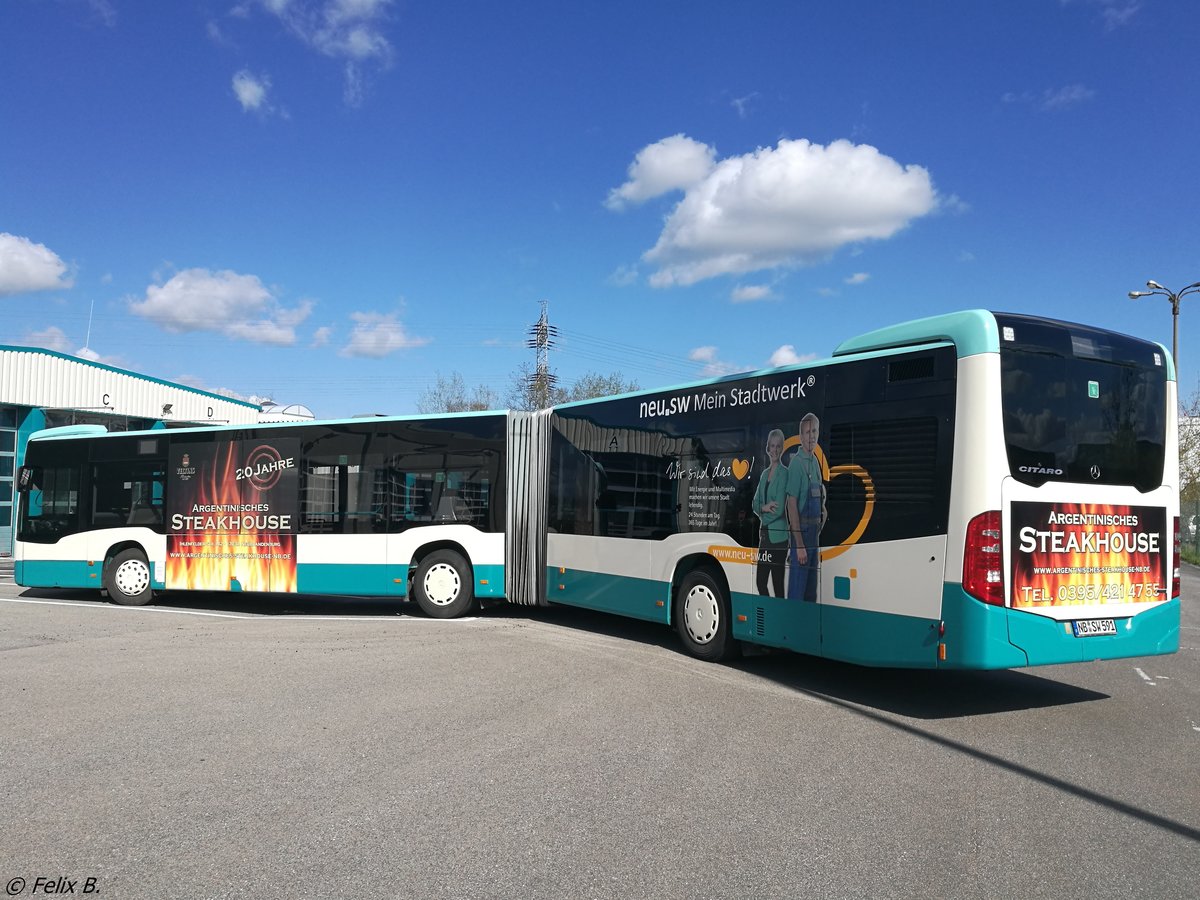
1067	499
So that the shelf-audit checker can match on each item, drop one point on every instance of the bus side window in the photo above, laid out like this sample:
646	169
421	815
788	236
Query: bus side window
51	504
146	501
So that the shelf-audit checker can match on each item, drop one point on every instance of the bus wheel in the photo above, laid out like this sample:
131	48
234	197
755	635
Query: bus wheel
702	617
127	578
443	585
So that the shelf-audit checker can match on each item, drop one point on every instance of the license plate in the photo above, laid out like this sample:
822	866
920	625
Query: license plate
1093	627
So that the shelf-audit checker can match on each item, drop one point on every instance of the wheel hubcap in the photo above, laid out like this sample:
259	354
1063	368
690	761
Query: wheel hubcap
132	577
442	584
701	614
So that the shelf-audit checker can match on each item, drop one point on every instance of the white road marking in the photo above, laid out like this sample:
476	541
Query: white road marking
1146	678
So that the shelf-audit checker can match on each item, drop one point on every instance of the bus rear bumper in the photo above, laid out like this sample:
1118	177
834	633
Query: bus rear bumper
980	636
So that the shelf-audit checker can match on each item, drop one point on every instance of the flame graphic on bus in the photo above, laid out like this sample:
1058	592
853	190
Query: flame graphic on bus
235	550
1075	554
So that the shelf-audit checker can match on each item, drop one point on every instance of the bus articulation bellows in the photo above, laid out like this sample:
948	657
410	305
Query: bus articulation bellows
973	490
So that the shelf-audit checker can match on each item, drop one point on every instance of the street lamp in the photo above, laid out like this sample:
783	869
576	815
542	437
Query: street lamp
1174	297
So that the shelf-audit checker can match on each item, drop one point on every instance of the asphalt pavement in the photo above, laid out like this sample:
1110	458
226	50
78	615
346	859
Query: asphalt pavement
221	746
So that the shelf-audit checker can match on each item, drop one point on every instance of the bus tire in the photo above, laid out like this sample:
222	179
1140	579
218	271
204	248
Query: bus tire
702	617
444	587
127	578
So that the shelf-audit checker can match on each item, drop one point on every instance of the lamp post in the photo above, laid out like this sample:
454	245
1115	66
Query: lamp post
1174	297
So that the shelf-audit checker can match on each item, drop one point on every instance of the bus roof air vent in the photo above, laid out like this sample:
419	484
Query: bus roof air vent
910	369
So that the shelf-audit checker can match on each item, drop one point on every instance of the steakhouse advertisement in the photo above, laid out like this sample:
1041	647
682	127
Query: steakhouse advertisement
232	516
1069	554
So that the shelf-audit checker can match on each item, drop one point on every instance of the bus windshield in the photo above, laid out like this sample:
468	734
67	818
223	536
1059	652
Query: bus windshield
1081	404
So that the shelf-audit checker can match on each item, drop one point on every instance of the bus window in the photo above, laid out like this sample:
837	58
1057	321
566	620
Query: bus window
1081	405
124	493
50	508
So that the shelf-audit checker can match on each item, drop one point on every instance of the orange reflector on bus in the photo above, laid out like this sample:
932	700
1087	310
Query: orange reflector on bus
741	618
658	603
942	652
483	581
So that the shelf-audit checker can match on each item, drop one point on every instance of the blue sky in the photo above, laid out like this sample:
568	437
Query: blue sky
329	202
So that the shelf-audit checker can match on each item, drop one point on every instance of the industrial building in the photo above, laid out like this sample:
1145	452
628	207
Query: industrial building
43	389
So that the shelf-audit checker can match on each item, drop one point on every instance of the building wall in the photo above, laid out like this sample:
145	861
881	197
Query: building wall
41	378
8	468
41	388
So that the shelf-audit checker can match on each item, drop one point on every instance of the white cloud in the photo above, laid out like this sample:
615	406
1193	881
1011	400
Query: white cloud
742	104
52	338
713	366
321	336
251	91
377	335
1117	13
790	205
89	354
1114	13
858	278
672	164
26	266
237	306
201	385
623	276
748	293
787	356
104	11
1052	99
1060	98
349	30
953	204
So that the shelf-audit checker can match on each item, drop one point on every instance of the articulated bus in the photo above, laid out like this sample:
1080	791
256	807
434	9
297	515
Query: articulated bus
365	507
975	491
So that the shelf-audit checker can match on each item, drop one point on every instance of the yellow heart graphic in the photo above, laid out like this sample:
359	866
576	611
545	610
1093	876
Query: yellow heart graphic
869	507
741	468
829	474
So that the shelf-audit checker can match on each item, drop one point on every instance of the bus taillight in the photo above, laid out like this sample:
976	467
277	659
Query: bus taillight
983	559
1175	568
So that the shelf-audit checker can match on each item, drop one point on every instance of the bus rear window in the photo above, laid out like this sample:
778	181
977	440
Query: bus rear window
1081	404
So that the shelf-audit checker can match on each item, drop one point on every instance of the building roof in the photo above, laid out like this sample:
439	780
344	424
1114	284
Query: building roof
33	376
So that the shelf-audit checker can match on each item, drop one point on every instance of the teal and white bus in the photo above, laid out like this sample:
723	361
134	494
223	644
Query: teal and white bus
401	507
974	490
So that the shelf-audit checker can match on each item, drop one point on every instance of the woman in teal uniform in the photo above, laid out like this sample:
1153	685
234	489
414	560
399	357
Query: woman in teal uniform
770	505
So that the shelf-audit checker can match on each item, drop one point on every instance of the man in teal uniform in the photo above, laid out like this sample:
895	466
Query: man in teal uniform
806	513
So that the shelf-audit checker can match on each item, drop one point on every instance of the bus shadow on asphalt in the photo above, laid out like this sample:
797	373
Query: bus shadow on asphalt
283	605
244	603
914	693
